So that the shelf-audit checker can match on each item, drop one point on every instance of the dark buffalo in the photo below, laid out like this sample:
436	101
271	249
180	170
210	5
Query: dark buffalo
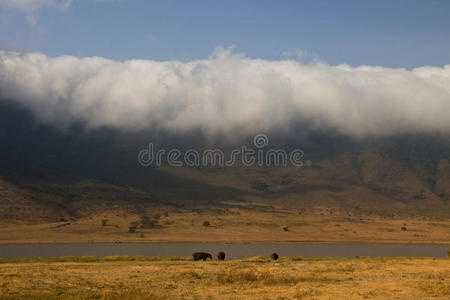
274	256
201	255
221	256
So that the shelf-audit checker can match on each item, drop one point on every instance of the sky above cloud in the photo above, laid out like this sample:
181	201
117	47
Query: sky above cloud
404	33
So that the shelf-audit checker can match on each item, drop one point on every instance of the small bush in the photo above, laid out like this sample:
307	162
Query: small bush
189	274
260	186
253	275
62	259
87	259
243	276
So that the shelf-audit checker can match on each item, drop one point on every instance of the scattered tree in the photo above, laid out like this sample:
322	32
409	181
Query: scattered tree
166	214
146	222
286	228
206	224
104	221
157	216
133	226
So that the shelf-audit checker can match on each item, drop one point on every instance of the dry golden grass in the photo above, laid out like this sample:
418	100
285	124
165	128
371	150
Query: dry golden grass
256	278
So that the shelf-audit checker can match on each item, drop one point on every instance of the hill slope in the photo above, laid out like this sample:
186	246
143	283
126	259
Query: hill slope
80	177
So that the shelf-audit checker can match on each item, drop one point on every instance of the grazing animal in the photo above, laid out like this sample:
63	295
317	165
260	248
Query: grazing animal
201	255
274	256
221	256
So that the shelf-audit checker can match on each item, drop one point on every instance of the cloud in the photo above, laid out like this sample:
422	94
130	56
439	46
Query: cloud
32	5
294	53
29	7
227	94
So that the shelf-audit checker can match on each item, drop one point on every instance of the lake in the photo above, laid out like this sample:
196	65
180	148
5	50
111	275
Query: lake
232	250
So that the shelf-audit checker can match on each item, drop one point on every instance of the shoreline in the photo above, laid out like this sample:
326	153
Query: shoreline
142	258
230	242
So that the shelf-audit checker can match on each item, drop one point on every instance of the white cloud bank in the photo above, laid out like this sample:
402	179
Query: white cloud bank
227	93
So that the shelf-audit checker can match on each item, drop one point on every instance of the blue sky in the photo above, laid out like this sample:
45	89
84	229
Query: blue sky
388	33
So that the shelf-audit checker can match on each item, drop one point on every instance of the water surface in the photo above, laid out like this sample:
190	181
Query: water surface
235	250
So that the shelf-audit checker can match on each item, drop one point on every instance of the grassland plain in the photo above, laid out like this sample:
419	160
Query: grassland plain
237	225
132	277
